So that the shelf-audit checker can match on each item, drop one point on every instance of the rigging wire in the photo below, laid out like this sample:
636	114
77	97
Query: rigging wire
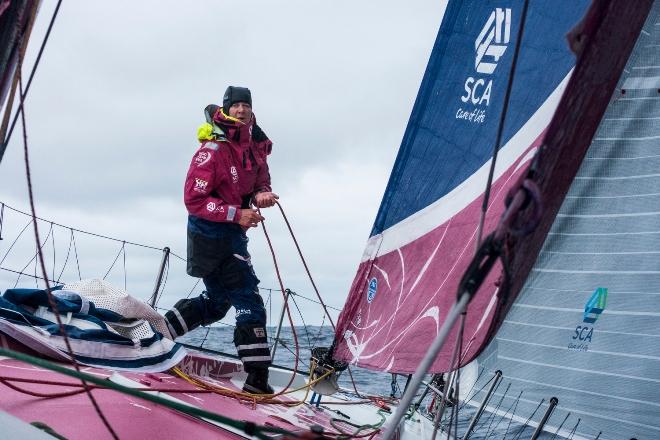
318	302
309	342
270	289
515	407
15	240
121	249
34	257
66	260
208	329
164	283
318	334
500	128
36	279
469	399
570	436
270	306
93	234
124	248
505	415
26	274
491	418
526	424
492	413
51	299
560	426
75	249
2	217
192	290
52	239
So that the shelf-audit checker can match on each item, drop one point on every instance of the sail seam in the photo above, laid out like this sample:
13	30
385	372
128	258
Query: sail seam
594	393
617	272
556	327
581	370
603	233
612	353
632	214
589	291
639	176
608	311
601	253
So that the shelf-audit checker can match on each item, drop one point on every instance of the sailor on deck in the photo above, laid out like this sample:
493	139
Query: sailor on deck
228	174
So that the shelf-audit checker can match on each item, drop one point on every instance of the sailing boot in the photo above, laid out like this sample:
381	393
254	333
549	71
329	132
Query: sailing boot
257	382
251	343
189	313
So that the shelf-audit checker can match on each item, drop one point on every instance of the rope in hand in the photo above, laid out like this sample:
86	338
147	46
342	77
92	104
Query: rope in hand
285	305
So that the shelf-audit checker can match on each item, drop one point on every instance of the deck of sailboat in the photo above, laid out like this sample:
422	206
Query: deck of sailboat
72	416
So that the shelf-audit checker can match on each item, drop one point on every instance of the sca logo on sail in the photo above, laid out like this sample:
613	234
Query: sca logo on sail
489	47
584	332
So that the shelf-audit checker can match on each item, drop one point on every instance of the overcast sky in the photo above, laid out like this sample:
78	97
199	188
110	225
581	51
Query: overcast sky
114	107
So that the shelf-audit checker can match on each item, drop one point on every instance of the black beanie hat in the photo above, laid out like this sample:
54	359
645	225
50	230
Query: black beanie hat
234	95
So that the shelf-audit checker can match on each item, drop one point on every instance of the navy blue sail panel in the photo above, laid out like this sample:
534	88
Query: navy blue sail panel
454	121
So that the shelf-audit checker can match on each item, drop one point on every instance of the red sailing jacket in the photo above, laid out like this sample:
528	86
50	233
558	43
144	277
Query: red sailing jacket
225	172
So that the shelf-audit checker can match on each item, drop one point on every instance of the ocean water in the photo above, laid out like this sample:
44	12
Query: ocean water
220	338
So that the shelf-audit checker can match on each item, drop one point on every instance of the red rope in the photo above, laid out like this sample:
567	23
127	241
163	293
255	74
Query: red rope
46	395
7	381
318	294
286	306
309	275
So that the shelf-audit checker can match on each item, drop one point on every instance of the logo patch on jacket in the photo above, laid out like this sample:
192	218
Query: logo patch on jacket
200	185
234	174
213	207
202	157
260	332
